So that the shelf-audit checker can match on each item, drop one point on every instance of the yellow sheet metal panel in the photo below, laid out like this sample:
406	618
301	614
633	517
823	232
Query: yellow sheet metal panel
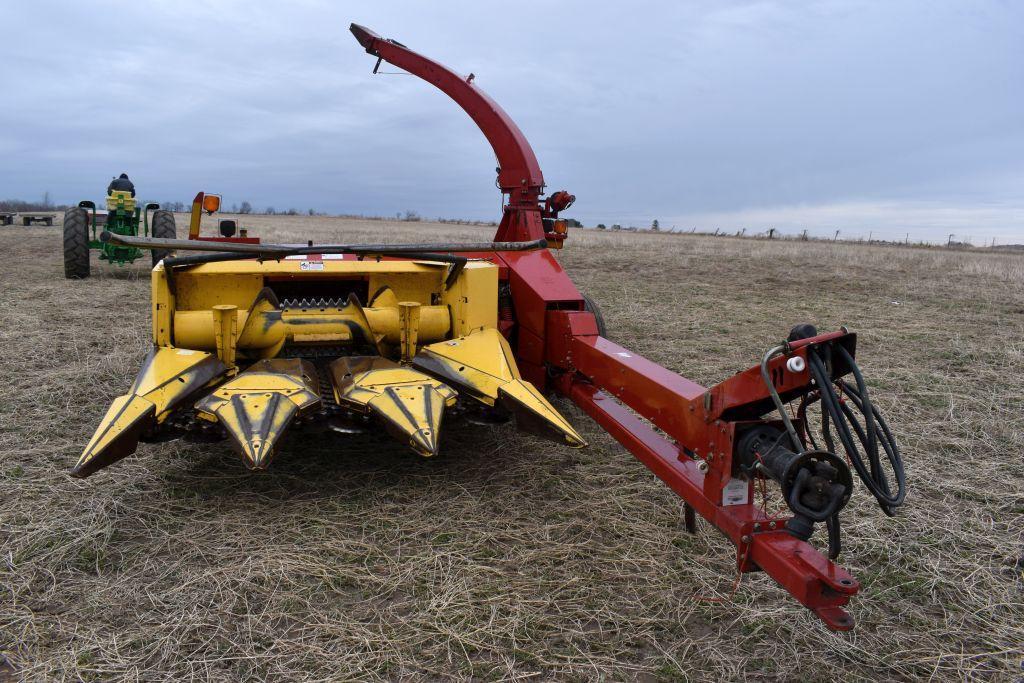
196	290
357	379
118	434
168	377
196	329
473	298
163	307
535	415
258	406
413	412
409	403
435	323
421	286
409	325
262	334
272	327
481	365
225	324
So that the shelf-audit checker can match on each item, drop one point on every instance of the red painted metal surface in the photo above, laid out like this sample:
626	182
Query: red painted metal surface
817	583
632	398
519	174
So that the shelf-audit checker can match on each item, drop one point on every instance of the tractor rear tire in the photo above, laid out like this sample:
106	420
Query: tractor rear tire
163	227
76	244
591	306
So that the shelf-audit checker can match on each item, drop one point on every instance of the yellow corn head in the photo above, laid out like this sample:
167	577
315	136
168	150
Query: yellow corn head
253	345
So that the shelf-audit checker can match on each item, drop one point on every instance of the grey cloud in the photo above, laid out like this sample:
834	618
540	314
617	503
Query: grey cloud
876	115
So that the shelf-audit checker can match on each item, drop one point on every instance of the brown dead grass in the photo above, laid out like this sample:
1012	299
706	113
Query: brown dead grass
507	557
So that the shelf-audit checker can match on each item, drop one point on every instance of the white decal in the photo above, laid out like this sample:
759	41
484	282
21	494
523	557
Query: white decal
735	492
311	265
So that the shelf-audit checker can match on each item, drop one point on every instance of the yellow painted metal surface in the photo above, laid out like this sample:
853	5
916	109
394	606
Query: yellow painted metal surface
162	307
473	299
409	328
419	343
272	327
120	199
225	327
535	415
481	364
255	335
196	291
168	377
384	317
196	217
408	402
257	406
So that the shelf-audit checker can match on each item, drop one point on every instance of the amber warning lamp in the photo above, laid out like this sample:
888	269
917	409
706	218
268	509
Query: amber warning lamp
211	204
557	231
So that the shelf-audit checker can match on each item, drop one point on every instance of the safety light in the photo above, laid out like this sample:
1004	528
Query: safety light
211	203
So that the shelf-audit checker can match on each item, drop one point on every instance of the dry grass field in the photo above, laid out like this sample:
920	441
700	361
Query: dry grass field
507	557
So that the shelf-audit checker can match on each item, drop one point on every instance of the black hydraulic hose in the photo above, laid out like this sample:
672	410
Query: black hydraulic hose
835	538
200	259
874	431
278	250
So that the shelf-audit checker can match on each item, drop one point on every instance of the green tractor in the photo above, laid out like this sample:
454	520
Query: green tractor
81	229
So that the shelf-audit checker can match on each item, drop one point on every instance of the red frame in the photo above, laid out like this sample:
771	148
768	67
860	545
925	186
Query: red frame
558	347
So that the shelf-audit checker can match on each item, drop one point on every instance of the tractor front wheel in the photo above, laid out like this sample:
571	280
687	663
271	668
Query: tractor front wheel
76	243
163	227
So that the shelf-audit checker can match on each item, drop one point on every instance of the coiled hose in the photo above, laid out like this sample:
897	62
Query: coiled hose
869	427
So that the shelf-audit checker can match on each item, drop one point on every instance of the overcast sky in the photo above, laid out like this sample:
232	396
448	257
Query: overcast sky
891	117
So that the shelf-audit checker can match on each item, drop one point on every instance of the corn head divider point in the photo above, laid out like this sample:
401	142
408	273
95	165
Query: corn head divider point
251	339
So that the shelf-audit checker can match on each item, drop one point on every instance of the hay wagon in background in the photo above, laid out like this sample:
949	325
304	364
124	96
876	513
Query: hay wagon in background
30	218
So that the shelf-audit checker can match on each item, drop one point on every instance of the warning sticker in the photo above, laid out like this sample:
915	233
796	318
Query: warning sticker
735	492
311	265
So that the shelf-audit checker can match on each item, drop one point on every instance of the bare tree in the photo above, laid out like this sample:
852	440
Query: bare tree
246	207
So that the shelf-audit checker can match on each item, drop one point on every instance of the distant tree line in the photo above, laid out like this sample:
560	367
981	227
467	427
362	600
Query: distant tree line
21	205
245	208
